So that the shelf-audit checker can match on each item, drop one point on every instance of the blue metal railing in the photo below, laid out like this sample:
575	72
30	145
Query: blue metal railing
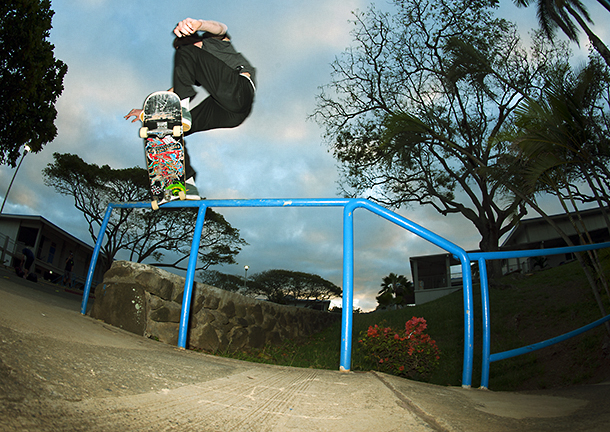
349	206
481	258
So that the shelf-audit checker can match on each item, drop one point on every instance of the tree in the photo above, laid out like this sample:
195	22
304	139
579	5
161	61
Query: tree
227	282
395	290
563	136
141	233
31	79
563	146
279	285
414	110
568	15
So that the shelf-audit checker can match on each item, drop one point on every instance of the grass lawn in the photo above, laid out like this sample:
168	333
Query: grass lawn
525	309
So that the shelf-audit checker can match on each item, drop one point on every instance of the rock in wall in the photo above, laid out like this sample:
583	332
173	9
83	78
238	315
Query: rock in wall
148	301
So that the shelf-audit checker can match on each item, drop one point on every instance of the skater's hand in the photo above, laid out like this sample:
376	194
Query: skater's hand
190	26
135	113
187	27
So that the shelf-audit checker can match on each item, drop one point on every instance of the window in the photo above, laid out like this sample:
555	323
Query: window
27	236
51	256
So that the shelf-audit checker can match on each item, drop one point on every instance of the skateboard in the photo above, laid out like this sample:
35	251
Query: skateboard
164	147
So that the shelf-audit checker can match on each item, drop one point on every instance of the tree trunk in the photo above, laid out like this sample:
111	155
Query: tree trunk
597	43
490	242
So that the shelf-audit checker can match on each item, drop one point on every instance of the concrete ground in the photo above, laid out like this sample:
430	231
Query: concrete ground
62	371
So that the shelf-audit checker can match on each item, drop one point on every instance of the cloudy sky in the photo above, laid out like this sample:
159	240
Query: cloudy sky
120	51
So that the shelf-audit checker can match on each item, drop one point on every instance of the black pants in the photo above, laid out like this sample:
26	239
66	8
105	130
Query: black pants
231	95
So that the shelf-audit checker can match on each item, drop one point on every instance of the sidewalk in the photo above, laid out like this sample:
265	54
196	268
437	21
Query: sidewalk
62	371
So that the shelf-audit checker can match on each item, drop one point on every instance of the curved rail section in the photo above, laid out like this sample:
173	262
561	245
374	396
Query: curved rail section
349	206
482	258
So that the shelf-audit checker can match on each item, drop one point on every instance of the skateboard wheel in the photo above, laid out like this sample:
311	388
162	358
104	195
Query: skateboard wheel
177	131
154	205
144	132
182	195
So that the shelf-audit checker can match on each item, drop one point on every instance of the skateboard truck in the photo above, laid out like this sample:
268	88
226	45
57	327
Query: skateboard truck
161	130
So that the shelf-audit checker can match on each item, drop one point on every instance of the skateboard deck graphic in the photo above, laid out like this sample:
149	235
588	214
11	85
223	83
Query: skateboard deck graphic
164	147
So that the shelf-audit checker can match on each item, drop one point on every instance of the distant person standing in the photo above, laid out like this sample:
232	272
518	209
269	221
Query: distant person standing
26	261
67	280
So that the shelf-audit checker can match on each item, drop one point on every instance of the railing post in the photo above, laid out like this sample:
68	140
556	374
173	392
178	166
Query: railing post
468	321
348	288
486	323
96	252
190	276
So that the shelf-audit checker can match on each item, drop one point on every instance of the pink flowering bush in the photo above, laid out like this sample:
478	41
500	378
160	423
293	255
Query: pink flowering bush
408	353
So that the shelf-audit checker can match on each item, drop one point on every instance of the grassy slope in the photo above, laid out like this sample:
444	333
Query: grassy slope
524	310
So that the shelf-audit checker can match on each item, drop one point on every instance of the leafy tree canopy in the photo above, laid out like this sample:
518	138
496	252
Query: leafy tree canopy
415	108
563	136
278	285
141	233
564	149
31	79
570	16
227	282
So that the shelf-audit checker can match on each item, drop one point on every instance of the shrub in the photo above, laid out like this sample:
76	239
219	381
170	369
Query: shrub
408	353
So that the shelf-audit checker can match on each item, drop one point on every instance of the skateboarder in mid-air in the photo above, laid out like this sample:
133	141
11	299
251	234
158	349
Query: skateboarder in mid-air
205	57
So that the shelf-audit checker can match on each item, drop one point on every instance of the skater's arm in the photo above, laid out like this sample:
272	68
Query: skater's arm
189	26
214	27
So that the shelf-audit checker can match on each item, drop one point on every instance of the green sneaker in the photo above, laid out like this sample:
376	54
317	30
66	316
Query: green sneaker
191	190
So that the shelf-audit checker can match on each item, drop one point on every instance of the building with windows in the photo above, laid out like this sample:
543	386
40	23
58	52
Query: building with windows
51	246
435	276
537	233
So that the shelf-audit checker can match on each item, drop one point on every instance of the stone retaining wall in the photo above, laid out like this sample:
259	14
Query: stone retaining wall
147	301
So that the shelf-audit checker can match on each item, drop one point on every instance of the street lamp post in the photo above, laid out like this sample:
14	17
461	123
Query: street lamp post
246	277
26	150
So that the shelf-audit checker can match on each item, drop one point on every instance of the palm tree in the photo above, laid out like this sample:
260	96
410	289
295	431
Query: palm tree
561	143
568	15
564	137
395	289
